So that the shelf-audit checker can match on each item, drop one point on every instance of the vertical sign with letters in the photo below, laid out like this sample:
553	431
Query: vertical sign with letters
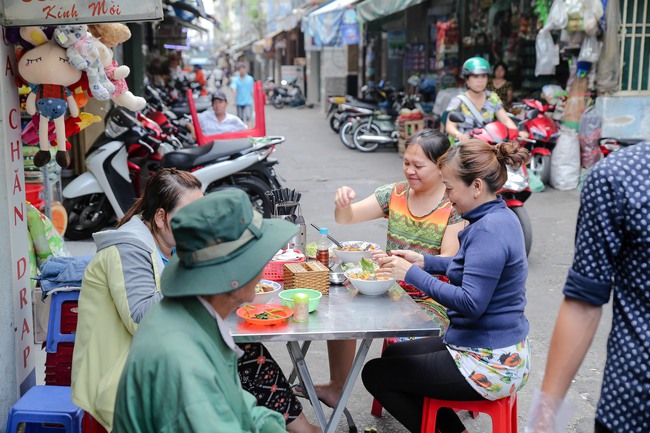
14	260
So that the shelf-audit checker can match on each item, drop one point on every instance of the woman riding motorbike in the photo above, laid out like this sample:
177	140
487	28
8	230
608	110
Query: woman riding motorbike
476	102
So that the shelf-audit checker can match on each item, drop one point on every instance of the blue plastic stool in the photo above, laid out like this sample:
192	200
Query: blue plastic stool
54	336
46	405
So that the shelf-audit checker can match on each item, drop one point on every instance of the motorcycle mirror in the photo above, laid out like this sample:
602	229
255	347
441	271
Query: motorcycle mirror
456	117
532	114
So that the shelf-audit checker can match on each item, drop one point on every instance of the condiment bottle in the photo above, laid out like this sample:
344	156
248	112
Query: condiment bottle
300	307
323	254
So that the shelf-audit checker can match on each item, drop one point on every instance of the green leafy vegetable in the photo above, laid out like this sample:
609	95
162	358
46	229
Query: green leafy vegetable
312	249
367	265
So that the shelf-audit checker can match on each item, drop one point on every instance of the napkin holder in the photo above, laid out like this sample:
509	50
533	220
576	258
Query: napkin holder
307	275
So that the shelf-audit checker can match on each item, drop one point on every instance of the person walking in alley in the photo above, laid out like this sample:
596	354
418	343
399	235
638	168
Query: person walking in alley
242	86
612	256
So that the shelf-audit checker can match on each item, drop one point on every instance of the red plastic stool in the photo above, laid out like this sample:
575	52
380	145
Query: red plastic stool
503	412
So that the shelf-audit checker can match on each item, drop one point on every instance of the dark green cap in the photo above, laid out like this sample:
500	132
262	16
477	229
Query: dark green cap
222	243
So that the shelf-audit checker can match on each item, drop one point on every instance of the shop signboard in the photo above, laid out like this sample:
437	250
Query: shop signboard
350	27
57	12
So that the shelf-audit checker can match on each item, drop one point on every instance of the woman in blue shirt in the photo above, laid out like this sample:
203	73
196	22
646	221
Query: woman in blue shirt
484	353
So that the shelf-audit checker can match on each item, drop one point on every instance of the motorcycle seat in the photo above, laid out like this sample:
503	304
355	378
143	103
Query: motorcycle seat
361	104
186	159
384	117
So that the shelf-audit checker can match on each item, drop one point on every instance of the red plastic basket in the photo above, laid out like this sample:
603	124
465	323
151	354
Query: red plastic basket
274	270
33	192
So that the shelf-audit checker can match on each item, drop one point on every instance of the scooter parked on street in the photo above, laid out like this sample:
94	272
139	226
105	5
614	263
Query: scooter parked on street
544	131
382	128
106	190
288	93
516	190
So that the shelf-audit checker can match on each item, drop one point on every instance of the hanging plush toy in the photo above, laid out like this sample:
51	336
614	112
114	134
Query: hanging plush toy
108	36
49	74
83	54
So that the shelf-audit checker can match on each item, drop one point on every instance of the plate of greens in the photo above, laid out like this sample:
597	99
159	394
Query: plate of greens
264	314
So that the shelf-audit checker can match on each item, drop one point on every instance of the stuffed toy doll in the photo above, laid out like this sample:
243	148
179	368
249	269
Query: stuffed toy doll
49	74
83	54
108	36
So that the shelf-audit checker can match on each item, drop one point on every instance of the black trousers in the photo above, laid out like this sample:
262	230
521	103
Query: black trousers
409	371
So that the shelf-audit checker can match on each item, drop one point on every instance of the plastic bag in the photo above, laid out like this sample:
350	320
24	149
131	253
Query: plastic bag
548	54
589	136
565	160
557	17
592	12
552	93
590	50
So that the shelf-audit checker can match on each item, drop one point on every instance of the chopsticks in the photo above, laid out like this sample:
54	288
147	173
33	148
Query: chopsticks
285	201
338	244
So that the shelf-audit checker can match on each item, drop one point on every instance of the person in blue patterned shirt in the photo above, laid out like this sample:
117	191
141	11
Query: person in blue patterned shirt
612	256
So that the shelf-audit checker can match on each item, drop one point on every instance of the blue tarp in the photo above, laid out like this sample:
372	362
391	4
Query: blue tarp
324	24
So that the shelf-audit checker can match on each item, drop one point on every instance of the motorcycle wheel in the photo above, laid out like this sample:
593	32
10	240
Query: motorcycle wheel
277	102
526	226
255	189
541	166
335	124
86	215
365	129
345	134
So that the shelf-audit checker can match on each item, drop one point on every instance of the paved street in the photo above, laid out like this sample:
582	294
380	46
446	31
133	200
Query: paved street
313	161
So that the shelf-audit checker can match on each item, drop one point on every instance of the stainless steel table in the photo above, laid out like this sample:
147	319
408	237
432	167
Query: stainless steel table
343	314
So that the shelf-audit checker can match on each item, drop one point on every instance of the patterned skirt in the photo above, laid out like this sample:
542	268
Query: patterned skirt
437	312
262	376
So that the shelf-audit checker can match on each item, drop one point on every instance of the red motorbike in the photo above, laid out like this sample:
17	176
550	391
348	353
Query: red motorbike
145	155
544	131
516	190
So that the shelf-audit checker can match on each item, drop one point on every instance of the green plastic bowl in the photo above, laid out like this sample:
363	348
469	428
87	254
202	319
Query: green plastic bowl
314	297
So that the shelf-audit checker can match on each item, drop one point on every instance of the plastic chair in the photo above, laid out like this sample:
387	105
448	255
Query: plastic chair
46	405
54	335
503	412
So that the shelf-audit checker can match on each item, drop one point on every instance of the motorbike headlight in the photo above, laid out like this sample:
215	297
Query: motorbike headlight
119	121
517	179
114	130
537	133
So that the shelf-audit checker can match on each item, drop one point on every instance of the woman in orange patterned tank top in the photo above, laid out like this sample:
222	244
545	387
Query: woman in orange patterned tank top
420	218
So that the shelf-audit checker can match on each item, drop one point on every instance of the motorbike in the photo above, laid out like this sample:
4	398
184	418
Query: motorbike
288	93
106	190
609	145
516	190
544	131
351	120
382	128
170	122
341	107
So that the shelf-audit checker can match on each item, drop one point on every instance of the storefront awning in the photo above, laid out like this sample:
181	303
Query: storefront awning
370	10
324	23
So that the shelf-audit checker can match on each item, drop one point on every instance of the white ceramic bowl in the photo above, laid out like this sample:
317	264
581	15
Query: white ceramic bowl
263	298
355	256
367	287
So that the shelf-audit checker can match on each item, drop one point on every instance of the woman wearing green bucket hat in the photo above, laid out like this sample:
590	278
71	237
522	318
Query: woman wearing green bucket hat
181	374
